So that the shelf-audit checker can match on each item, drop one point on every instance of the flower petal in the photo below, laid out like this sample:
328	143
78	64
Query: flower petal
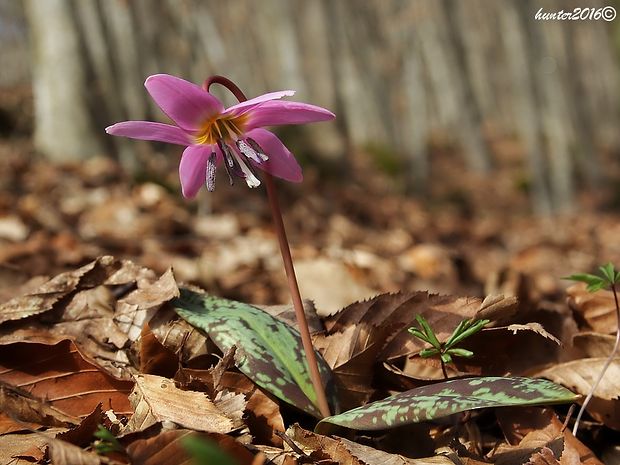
193	168
184	102
281	163
283	112
248	104
147	130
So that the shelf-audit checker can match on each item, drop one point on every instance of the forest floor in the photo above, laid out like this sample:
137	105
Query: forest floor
353	237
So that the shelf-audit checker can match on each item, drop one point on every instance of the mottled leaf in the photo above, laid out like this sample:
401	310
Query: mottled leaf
443	399
268	351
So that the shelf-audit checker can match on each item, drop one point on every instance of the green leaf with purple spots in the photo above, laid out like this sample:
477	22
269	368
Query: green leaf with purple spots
449	397
269	351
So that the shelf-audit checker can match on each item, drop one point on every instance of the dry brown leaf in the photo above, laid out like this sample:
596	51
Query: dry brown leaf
579	376
166	448
593	345
11	425
178	336
60	376
530	430
330	284
23	407
156	399
101	327
82	434
263	413
343	451
353	369
22	449
535	327
286	313
65	453
104	270
597	309
155	358
264	419
397	312
497	308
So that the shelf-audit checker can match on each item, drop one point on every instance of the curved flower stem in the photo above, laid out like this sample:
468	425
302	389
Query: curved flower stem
296	296
607	363
285	251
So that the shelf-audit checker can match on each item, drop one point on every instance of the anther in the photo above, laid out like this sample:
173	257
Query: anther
248	151
211	166
257	148
229	162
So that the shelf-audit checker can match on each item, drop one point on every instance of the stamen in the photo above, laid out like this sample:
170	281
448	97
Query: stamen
257	148
248	151
211	166
228	159
250	178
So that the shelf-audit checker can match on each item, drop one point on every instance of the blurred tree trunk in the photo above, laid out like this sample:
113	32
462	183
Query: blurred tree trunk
63	129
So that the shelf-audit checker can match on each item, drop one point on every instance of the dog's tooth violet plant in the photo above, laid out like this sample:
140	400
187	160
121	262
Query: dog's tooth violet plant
234	137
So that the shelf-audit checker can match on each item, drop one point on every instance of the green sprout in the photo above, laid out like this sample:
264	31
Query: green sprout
446	350
107	442
607	279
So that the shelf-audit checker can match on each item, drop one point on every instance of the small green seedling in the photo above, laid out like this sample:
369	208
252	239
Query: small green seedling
107	442
607	279
446	350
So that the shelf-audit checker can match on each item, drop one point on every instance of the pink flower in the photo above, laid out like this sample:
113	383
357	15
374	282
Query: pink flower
212	133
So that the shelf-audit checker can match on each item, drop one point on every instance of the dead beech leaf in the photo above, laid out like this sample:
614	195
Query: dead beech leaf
597	309
286	313
10	425
537	328
155	358
351	363
497	308
156	399
330	284
167	448
579	376
343	451
178	336
102	327
65	453
104	270
21	449
60	376
82	434
397	312
594	345
24	407
133	311
263	413
531	430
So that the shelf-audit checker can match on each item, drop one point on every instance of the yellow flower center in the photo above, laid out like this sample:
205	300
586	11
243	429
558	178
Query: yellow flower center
225	128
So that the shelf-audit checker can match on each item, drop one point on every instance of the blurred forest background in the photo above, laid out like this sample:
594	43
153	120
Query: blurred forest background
426	90
475	149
